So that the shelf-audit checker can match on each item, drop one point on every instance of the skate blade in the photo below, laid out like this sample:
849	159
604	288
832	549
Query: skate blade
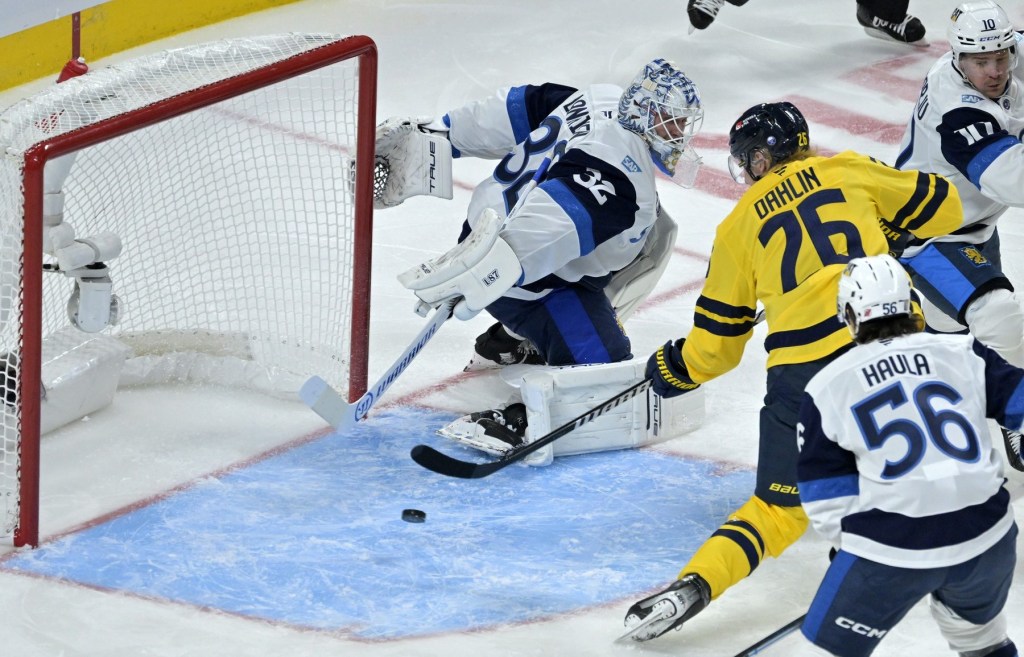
468	441
879	34
631	633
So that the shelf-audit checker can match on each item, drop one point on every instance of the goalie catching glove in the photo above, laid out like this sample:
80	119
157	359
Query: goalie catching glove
667	371
413	158
480	269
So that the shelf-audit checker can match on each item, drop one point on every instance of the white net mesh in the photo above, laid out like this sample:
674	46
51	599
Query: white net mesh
236	220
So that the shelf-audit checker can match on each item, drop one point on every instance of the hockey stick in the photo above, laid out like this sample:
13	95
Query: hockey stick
328	404
1015	494
325	400
441	463
773	638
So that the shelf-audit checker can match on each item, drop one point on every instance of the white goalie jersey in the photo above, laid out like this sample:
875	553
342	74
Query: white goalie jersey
973	141
896	463
591	212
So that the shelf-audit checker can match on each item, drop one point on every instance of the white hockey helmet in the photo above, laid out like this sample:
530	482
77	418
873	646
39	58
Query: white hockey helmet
663	106
871	288
980	26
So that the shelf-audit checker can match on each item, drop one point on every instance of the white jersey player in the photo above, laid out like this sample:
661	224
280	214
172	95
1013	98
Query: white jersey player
566	236
897	470
967	126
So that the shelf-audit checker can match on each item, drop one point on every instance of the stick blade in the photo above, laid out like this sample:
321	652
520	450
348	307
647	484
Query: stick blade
441	463
327	403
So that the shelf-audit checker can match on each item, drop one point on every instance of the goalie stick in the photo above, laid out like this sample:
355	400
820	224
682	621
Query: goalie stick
441	463
329	404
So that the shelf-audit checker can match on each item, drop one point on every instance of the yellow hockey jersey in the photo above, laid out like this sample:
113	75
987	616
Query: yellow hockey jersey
785	244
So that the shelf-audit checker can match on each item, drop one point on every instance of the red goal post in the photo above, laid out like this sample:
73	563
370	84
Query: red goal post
236	179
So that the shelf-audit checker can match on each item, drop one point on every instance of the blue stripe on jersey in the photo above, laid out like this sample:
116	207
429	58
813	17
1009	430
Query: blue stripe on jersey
563	196
921	189
827	489
980	162
586	344
935	268
928	532
448	122
515	105
927	213
722	329
902	158
1004	388
804	336
827	590
726	310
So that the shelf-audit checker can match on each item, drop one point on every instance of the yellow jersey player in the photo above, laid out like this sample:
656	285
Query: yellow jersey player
784	246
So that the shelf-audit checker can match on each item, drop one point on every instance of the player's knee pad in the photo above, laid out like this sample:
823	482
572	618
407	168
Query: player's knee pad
778	526
997	321
554	396
964	636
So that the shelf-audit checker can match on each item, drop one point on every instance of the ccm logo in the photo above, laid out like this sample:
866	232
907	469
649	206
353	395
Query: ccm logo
860	628
492	276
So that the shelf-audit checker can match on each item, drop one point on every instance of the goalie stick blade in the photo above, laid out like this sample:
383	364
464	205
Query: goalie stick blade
327	403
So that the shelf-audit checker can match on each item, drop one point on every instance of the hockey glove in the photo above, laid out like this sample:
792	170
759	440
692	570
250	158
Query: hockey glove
413	158
667	371
667	610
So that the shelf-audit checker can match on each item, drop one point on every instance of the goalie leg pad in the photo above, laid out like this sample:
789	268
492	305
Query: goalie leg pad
554	396
481	269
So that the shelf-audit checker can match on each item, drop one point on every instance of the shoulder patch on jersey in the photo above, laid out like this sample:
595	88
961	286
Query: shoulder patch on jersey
975	256
629	164
970	98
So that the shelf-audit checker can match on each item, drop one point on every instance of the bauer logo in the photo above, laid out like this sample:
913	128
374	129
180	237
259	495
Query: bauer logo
629	164
491	277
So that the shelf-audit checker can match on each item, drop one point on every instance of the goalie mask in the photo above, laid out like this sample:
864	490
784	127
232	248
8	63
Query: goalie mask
663	106
770	133
872	288
980	27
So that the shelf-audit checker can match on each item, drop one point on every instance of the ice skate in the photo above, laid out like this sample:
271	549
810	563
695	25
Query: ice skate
494	431
669	609
910	30
703	12
496	347
1011	439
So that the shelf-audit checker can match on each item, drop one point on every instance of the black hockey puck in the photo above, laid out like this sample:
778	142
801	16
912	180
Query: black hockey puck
413	515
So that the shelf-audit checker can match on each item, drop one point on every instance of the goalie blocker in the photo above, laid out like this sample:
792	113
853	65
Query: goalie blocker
555	395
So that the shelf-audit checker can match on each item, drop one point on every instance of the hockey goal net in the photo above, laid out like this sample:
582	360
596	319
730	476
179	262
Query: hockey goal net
195	214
